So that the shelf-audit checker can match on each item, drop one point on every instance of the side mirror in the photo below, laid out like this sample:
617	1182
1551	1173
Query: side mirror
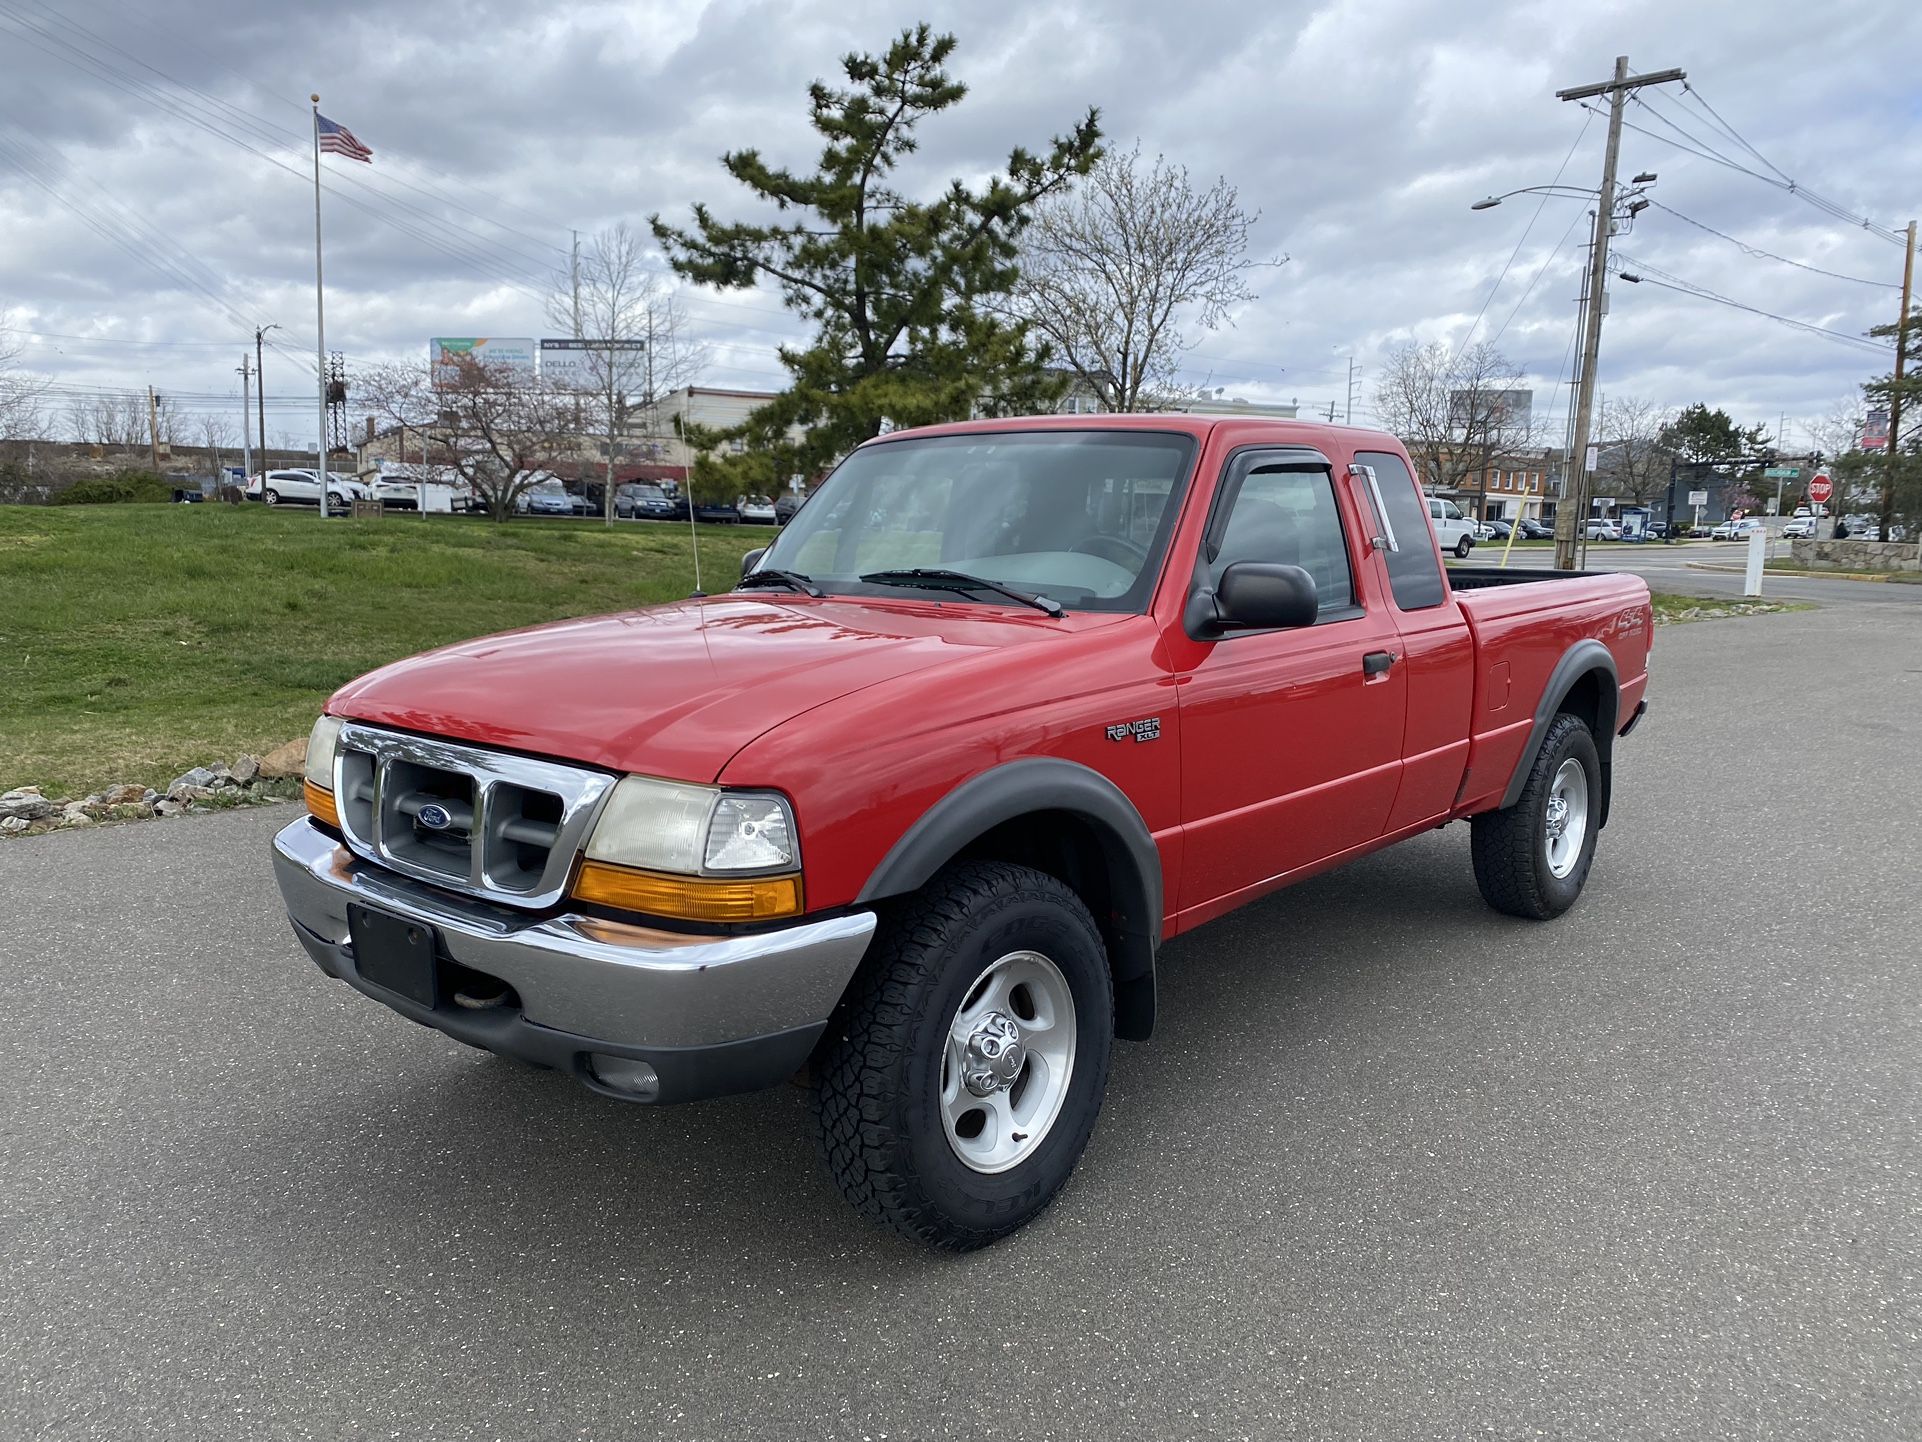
751	560
1255	596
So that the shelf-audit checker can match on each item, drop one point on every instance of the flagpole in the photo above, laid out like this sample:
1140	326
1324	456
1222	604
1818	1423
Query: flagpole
320	323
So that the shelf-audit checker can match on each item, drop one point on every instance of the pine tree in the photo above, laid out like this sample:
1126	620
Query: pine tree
900	291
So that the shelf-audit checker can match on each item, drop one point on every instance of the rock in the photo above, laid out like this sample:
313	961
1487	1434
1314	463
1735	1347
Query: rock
199	776
11	824
169	808
287	760
24	804
76	818
186	794
148	796
245	770
124	795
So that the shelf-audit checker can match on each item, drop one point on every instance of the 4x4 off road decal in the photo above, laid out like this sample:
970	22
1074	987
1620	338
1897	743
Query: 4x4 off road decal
1147	730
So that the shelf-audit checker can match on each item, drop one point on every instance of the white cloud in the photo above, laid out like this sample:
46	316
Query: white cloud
1360	130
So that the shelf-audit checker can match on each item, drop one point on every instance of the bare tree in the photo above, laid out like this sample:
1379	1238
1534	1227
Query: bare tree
1456	413
501	430
633	339
1121	274
21	394
1631	461
216	433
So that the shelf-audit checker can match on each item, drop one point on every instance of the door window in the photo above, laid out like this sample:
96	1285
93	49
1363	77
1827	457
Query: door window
1284	514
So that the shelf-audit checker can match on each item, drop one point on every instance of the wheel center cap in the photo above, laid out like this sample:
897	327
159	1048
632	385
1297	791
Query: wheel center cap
1557	816
995	1055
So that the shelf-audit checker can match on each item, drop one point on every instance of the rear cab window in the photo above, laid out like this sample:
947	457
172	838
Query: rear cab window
1414	571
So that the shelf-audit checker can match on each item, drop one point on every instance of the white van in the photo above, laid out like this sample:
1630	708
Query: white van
1453	531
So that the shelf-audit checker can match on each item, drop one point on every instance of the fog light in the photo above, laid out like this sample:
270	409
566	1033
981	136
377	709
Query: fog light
637	1079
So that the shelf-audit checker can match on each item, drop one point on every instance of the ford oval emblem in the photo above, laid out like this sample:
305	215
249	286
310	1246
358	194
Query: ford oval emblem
434	818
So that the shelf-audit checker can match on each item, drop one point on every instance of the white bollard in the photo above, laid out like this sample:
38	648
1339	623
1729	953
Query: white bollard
1757	548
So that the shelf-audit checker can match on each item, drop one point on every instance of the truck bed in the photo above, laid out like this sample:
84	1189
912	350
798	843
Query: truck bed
1523	624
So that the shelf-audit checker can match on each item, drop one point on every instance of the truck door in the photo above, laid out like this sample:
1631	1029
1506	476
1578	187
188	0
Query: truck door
1290	739
1437	652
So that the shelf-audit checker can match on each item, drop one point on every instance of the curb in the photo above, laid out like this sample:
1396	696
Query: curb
1794	575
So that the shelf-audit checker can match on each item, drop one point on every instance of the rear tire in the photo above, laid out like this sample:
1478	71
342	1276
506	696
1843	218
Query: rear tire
962	1077
1532	859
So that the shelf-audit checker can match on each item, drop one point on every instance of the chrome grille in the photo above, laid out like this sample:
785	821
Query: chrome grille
488	823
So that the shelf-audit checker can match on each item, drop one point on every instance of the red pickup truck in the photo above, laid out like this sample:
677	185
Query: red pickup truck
909	812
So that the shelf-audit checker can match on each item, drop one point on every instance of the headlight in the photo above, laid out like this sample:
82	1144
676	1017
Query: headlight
321	745
694	852
317	782
694	830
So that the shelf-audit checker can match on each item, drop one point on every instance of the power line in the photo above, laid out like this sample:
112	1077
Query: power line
1758	252
1540	205
1670	281
1704	149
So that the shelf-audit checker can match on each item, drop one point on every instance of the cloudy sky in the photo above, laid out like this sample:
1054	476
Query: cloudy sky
155	182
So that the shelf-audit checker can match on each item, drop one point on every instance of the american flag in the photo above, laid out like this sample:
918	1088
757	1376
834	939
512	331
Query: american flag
337	139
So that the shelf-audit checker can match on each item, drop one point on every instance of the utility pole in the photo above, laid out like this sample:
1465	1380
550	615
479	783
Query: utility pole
246	427
1348	412
1895	391
260	377
153	429
1571	516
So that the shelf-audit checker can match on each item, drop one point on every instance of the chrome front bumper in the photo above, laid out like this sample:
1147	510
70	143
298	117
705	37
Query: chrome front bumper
713	1014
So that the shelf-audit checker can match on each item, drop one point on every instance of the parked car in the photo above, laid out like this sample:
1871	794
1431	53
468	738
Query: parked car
642	501
1533	530
1800	529
785	505
302	487
1496	530
1898	532
755	510
661	853
718	513
1453	530
1737	530
1600	530
1656	530
1801	511
551	498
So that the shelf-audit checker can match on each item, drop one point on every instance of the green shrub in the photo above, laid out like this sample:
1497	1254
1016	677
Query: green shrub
120	488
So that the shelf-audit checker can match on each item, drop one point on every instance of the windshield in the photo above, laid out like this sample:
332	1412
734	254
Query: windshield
1079	516
643	493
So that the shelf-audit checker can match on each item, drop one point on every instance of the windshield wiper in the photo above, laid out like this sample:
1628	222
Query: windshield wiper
793	580
936	578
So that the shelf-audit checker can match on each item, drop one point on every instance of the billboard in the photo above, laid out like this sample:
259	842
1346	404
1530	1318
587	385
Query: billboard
582	365
515	353
1500	415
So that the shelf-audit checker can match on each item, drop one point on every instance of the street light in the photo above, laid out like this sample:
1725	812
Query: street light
1567	191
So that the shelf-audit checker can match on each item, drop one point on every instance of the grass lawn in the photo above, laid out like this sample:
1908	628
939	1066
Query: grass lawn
138	641
141	640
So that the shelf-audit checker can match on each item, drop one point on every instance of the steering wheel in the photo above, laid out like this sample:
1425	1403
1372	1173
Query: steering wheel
1130	555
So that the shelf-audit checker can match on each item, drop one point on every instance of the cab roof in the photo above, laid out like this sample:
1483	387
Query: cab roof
1245	429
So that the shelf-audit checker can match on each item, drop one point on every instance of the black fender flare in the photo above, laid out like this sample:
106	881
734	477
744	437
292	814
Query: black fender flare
1581	659
1046	783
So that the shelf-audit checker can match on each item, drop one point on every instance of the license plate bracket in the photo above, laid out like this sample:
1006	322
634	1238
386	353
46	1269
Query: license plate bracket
394	953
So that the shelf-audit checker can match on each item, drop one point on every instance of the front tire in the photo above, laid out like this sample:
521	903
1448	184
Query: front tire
1532	859
1463	547
270	496
963	1076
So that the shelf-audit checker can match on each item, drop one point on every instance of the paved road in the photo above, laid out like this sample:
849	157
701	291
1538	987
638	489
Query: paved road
1396	1167
1675	568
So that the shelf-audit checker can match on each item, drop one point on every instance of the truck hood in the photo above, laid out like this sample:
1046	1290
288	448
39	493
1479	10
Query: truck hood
677	690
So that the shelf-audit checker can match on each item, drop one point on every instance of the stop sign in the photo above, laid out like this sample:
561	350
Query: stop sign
1821	488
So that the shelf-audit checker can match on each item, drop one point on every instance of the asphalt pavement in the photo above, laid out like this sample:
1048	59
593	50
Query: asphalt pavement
1708	568
1395	1166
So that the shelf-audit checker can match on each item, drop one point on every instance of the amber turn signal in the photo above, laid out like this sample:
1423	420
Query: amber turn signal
688	898
320	804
